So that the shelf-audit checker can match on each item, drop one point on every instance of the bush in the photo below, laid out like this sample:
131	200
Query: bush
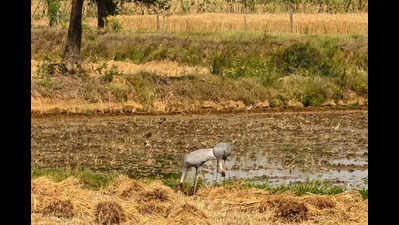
53	11
143	86
298	56
219	63
303	58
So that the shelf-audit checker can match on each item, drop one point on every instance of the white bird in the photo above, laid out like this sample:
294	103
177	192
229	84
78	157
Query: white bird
197	158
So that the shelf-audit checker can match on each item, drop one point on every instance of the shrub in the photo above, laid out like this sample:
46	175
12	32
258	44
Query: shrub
298	56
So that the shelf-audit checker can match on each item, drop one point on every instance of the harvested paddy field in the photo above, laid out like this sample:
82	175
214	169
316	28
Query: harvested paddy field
275	148
127	201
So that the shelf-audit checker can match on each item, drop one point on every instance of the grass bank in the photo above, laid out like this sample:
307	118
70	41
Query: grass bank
187	72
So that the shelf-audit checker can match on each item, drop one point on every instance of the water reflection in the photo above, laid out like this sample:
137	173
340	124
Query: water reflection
259	168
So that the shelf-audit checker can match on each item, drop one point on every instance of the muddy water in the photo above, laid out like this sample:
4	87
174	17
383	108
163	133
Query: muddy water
274	148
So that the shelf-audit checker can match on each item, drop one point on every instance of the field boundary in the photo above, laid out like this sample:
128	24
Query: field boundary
309	109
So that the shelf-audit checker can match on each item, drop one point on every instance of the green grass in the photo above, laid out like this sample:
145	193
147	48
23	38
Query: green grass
96	181
364	193
314	187
249	67
88	178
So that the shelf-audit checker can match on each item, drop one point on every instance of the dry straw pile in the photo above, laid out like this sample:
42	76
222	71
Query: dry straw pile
127	201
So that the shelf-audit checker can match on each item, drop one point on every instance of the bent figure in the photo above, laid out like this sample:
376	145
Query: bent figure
197	158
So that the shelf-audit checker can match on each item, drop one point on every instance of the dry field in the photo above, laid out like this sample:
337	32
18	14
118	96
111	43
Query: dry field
324	24
127	201
346	24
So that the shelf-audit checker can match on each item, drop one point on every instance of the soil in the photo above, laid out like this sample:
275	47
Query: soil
266	146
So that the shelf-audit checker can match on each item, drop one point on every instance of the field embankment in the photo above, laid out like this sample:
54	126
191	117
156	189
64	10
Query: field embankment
193	72
127	201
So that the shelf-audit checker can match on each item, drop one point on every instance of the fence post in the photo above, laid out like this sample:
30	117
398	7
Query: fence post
291	20
164	23
158	22
245	22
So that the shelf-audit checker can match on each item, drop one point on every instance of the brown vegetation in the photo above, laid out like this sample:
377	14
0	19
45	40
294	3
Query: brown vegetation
331	24
212	205
166	87
108	213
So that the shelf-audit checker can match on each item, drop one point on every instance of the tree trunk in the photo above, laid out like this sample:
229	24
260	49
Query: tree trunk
100	13
72	49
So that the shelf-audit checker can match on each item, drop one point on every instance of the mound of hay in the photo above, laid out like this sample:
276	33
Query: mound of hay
156	201
108	213
155	195
125	187
188	214
321	202
126	201
236	192
290	210
154	209
59	208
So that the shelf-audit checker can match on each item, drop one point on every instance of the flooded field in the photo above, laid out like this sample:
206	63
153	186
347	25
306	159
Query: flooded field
274	148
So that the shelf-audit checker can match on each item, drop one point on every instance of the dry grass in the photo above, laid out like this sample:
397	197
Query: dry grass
154	203
162	68
69	94
219	6
331	24
276	23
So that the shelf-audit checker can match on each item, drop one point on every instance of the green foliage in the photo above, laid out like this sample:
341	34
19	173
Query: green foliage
314	187
53	11
254	67
186	6
313	94
115	25
355	81
88	178
249	69
296	57
219	62
44	73
364	193
307	59
109	74
143	86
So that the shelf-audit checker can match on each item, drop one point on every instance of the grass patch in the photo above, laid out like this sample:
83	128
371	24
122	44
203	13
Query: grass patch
88	178
364	193
144	87
314	187
249	68
98	180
